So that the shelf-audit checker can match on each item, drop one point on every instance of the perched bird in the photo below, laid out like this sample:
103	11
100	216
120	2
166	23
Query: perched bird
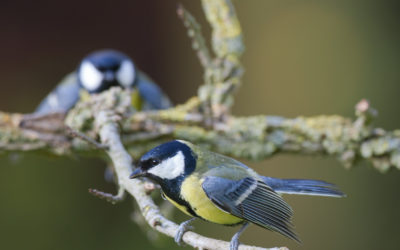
99	71
222	190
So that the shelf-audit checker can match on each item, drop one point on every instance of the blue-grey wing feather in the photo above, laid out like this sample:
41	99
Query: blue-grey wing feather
153	96
252	200
303	187
62	98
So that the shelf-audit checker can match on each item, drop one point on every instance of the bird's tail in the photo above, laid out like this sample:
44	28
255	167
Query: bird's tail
303	187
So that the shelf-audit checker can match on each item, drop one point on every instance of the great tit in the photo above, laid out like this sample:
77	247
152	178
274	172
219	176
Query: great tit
99	71
222	190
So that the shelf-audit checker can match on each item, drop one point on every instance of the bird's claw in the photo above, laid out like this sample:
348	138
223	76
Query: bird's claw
183	228
234	244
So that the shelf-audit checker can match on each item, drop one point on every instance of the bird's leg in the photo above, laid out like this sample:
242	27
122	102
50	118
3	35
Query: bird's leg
234	245
183	227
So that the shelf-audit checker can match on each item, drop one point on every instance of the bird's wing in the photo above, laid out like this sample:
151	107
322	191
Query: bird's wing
303	186
252	200
62	98
153	96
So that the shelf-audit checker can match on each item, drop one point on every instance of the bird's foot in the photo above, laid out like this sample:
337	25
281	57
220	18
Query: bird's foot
183	228
234	244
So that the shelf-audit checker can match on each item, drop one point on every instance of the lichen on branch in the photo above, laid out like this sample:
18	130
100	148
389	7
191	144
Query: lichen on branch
253	137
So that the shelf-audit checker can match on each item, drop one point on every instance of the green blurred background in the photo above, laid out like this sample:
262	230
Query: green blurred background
302	58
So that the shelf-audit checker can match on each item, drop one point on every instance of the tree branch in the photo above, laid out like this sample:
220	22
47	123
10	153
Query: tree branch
253	137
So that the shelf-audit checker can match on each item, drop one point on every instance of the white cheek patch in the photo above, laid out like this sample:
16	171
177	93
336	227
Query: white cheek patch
126	74
170	168
90	77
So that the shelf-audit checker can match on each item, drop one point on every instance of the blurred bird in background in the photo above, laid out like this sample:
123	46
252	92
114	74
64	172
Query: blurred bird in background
100	71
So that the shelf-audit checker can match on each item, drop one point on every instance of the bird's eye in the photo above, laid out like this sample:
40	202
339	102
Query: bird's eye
154	162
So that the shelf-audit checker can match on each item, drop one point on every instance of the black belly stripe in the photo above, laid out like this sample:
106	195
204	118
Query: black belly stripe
183	203
190	210
172	191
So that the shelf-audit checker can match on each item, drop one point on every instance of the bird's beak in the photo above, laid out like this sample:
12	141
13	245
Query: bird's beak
137	173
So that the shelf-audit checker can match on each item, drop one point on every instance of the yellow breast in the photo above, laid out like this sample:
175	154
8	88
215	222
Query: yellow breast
136	100
193	193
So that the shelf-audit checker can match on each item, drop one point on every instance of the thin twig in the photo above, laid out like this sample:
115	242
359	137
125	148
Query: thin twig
109	197
194	32
86	138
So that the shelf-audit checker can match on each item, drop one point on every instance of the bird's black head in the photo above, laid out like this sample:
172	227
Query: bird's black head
103	69
167	161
